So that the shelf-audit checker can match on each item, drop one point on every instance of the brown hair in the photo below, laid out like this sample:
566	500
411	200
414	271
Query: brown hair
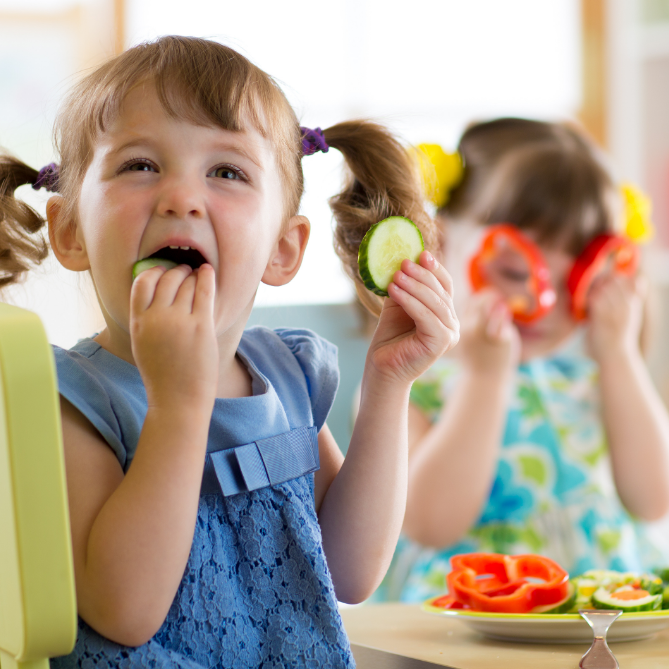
204	82
382	181
21	243
536	175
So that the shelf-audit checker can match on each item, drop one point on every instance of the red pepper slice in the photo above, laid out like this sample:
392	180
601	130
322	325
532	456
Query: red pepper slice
515	593
615	251
538	285
447	602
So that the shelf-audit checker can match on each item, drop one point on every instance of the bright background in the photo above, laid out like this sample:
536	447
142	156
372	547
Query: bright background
426	73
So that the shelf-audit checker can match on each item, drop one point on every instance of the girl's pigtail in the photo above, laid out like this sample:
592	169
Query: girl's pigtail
20	245
383	181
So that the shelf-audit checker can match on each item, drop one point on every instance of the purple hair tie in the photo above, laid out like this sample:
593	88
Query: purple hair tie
48	178
313	141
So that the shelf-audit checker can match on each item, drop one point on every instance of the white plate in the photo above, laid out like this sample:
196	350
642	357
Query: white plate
555	628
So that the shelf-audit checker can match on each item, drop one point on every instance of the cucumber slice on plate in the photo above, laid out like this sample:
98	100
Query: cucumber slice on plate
383	249
148	263
627	599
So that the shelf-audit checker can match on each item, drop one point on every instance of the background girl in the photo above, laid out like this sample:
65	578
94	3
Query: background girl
200	532
545	437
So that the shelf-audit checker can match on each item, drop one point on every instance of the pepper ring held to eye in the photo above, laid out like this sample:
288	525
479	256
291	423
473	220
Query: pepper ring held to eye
515	265
511	262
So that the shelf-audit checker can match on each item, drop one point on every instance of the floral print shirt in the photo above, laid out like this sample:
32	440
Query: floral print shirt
553	491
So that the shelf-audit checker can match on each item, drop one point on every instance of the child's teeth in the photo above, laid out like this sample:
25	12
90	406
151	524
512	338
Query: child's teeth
174	247
185	248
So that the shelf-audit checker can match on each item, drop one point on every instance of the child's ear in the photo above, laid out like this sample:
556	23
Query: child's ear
65	237
288	252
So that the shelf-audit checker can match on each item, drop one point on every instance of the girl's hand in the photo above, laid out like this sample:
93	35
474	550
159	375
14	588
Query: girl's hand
615	312
490	343
418	322
173	335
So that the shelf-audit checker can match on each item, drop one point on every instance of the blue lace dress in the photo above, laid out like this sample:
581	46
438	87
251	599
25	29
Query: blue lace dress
256	591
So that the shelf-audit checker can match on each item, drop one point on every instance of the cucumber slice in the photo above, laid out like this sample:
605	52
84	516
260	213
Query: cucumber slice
585	589
148	263
654	585
383	249
603	599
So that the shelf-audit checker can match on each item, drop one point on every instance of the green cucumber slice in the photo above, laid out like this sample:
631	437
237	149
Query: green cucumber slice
654	585
603	599
585	589
383	249
142	265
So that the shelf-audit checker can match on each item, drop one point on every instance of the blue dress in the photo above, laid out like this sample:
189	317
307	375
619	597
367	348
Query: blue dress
256	591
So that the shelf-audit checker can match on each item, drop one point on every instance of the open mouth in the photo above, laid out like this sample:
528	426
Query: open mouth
182	255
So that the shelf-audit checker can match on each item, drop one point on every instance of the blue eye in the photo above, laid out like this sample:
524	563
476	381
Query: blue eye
225	172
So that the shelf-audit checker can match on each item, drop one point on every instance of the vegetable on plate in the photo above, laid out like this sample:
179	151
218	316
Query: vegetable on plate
495	583
508	583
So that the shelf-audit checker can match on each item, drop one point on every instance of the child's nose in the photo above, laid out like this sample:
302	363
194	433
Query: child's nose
180	198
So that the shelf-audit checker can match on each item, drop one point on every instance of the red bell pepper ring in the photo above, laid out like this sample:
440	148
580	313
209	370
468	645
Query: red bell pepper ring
539	285
616	251
447	602
515	594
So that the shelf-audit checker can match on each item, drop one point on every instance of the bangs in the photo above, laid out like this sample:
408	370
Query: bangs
197	81
566	198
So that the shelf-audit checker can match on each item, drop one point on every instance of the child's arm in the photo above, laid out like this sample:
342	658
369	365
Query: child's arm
635	419
362	510
132	534
452	463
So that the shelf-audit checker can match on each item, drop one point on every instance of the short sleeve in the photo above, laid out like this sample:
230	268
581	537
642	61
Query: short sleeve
80	384
317	358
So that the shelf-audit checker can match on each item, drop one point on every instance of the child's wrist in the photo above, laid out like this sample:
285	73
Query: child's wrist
615	355
384	386
179	408
496	373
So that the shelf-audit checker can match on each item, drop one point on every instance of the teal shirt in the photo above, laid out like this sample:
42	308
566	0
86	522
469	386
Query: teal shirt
553	491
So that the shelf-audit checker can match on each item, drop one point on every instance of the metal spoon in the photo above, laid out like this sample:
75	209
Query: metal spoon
599	655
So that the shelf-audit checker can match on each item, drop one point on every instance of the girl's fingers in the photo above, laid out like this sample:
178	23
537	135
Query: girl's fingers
429	271
437	300
169	284
498	319
185	294
429	312
144	288
427	321
428	261
205	289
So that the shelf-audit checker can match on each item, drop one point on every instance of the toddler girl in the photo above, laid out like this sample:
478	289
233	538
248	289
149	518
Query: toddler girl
204	532
542	437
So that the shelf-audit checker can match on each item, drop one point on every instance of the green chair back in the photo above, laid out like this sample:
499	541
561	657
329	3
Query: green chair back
38	616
